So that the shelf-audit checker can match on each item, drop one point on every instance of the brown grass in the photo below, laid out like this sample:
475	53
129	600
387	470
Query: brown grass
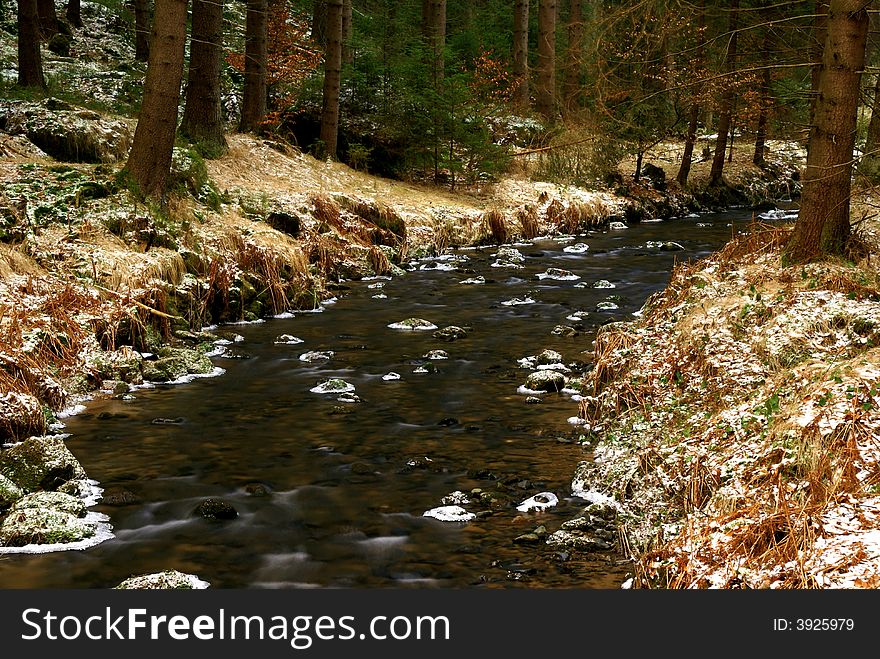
527	215
493	220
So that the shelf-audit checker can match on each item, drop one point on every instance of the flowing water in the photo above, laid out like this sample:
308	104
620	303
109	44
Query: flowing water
330	492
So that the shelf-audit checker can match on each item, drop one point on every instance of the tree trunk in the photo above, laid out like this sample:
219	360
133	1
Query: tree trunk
202	117
434	33
546	87
870	165
725	115
347	52
149	162
761	131
521	54
142	30
684	169
48	18
332	68
73	13
823	222
30	62
574	53
319	22
256	56
820	32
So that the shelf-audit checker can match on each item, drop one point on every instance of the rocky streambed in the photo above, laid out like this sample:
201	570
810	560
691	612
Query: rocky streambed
420	430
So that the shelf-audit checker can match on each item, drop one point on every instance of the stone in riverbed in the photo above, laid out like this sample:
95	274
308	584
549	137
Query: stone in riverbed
58	501
414	324
539	502
43	526
40	463
546	357
9	492
436	354
449	514
168	580
215	509
119	496
450	333
332	386
548	380
174	363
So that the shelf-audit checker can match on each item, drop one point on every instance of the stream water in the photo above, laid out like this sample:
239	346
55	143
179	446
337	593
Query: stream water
332	493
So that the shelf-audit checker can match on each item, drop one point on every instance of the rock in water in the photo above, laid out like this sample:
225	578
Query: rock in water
215	509
40	463
168	580
332	386
547	380
32	526
539	502
449	514
450	333
415	324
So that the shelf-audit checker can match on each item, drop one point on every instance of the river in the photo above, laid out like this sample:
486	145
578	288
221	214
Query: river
332	493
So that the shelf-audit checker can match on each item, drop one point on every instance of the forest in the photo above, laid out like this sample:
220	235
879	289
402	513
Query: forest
501	293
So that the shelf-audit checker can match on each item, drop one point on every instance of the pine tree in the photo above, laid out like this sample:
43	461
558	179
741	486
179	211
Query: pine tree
546	84
202	117
253	105
332	71
30	62
149	162
823	221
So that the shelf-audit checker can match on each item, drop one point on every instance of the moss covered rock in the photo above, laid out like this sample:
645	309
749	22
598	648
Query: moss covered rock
40	463
174	363
124	364
58	501
167	580
66	132
9	492
30	526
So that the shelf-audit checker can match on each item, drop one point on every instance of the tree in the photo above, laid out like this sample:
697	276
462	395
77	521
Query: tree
48	18
73	13
253	104
30	63
202	117
684	168
521	53
149	162
347	52
434	33
574	53
823	221
546	87
332	71
727	99
141	30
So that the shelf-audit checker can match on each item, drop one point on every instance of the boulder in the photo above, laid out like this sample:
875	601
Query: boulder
123	365
450	333
547	380
40	463
174	363
168	580
66	132
31	526
415	324
9	492
57	501
215	509
546	357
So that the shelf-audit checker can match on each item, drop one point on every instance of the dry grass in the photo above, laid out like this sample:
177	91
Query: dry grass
493	221
527	216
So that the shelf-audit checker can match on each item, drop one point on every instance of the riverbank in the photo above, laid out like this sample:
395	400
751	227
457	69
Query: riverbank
736	423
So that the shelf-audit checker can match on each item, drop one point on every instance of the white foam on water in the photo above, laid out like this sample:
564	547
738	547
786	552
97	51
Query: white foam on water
391	376
189	377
